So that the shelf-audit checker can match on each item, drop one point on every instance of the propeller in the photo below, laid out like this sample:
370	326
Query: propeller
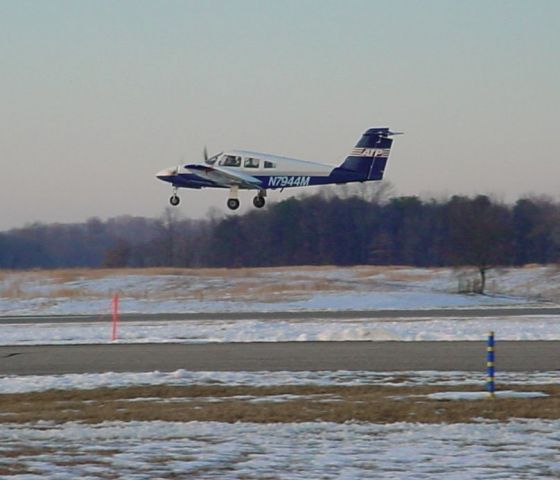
178	167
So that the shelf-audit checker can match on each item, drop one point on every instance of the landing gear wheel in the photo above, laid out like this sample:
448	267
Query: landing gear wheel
259	201
233	203
174	200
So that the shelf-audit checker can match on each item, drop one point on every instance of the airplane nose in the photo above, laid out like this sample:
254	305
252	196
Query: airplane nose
166	173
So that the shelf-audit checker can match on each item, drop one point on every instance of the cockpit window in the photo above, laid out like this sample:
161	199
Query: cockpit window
268	164
251	163
230	161
212	160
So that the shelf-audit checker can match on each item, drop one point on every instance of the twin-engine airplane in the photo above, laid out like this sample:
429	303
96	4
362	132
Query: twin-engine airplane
238	169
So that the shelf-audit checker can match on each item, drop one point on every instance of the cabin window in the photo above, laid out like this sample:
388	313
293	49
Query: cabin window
230	161
251	163
268	164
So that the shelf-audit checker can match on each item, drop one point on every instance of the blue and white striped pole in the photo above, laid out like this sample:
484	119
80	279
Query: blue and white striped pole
490	364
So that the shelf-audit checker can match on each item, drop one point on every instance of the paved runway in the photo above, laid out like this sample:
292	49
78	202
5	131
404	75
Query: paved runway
289	356
278	356
294	315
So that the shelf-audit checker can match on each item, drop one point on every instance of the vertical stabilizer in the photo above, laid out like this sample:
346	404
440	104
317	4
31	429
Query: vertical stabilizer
369	157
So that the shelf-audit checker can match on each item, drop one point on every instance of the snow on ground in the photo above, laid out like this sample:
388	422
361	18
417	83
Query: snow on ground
274	289
319	301
482	395
88	381
278	289
138	450
204	331
515	449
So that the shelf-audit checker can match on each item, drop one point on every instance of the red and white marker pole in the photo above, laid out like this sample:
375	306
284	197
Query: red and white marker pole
115	316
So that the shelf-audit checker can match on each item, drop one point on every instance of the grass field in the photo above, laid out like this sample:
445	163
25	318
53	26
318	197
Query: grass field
172	290
267	284
274	404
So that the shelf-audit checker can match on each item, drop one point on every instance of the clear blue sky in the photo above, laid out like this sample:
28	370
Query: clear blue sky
97	96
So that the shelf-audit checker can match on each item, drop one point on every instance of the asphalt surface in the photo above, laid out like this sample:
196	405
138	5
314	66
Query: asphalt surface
297	315
289	356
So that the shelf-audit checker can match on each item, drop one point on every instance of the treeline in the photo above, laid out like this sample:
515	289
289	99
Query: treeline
315	230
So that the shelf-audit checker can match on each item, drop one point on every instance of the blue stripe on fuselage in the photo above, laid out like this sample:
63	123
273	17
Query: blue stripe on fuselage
188	180
273	182
338	175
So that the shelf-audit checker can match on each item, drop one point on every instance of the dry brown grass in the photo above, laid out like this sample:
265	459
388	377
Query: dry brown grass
72	274
378	404
12	290
13	469
7	275
395	273
239	284
244	284
26	452
396	276
71	293
267	291
19	455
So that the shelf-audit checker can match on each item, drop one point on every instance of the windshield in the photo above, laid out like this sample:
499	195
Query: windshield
212	160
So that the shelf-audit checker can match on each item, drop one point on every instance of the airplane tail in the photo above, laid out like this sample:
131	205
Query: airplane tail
369	157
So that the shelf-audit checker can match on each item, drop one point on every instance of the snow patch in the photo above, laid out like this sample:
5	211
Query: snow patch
330	288
483	395
87	381
211	450
226	331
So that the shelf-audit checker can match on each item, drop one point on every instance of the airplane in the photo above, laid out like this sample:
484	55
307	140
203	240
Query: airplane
245	170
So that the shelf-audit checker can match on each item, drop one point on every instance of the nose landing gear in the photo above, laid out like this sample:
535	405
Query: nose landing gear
174	199
233	203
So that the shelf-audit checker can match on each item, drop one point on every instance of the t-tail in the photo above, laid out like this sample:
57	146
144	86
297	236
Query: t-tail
368	158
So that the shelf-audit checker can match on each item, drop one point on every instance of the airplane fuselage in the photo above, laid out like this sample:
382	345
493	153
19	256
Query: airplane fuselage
285	173
247	170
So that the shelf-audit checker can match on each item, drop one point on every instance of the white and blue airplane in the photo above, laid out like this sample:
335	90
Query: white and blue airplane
239	169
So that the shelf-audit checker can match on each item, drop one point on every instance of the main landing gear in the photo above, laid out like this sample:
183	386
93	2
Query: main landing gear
233	201
259	200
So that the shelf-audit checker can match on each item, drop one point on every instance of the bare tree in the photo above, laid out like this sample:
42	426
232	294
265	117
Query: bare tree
372	192
480	235
168	236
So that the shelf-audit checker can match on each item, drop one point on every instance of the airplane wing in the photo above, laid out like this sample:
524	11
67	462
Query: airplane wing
224	177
